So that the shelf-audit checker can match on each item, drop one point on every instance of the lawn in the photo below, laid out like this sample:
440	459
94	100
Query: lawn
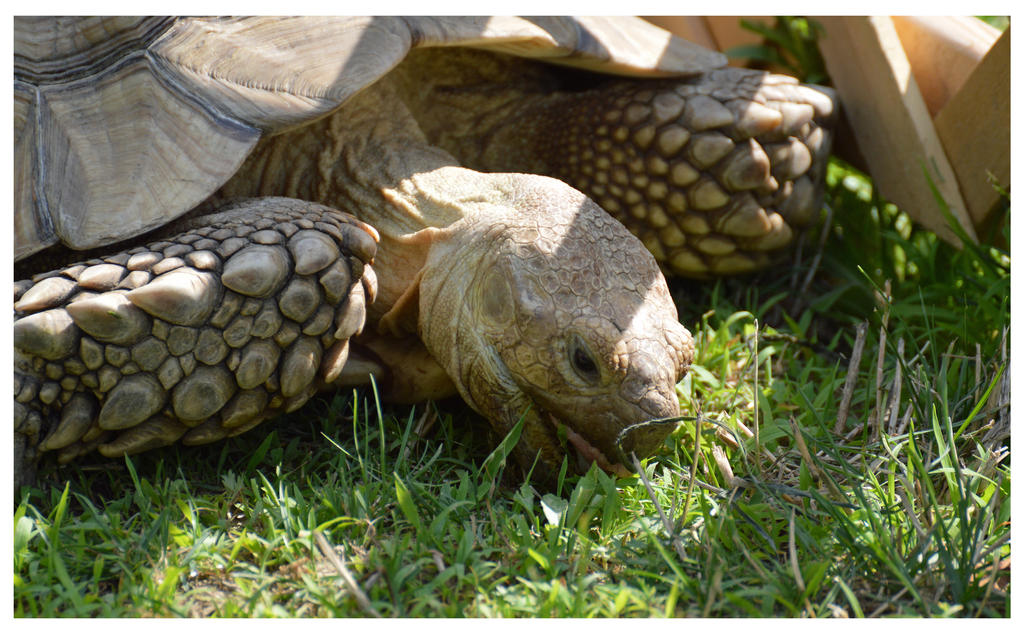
846	453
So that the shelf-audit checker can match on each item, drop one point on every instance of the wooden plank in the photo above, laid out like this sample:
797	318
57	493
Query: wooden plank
943	52
890	121
975	130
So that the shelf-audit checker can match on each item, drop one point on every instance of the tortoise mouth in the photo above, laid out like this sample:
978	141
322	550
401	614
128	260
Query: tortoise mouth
578	447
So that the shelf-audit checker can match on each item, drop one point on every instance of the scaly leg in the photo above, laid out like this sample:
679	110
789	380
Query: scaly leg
715	173
196	337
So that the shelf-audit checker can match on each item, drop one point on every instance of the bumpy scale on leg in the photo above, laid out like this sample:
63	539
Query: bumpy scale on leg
194	338
713	173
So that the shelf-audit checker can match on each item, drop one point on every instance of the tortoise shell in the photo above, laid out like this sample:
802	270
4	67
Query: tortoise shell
124	124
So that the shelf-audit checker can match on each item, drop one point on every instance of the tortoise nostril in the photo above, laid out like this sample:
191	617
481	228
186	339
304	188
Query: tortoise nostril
650	386
659	405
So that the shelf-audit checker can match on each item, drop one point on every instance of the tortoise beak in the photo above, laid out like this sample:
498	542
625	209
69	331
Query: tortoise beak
586	453
610	444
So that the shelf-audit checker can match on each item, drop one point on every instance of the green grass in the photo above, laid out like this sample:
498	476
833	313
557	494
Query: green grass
779	497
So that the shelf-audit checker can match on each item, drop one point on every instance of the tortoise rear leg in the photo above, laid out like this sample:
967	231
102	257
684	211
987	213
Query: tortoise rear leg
196	337
713	173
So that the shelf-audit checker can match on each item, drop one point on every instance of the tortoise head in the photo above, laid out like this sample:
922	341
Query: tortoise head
547	308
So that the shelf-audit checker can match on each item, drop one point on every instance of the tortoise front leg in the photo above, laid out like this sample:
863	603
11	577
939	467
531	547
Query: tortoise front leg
194	338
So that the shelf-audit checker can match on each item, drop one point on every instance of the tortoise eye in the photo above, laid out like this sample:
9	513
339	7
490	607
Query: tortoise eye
582	361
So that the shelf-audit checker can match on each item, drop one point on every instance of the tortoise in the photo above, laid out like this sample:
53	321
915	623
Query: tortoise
275	206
